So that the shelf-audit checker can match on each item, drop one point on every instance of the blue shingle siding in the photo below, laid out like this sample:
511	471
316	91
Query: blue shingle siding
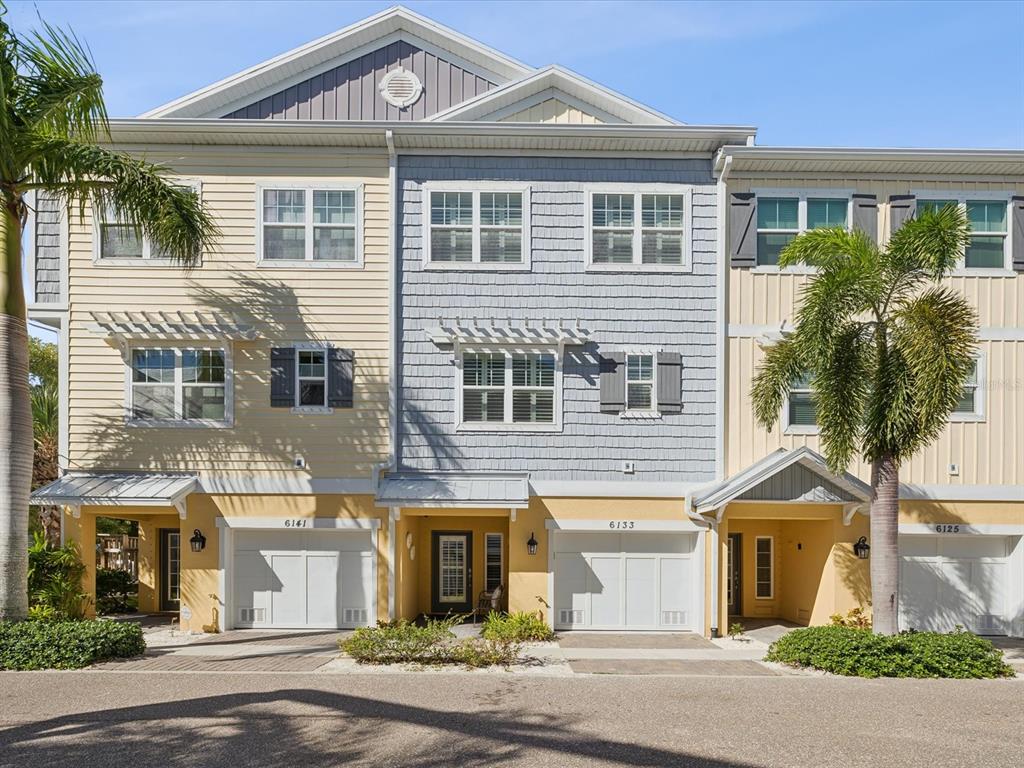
797	483
49	259
671	311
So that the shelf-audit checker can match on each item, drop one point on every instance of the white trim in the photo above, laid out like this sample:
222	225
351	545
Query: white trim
721	320
961	529
961	197
976	416
474	188
30	245
771	584
147	259
308	188
392	554
797	429
638	191
614	525
584	489
225	584
312	523
992	492
179	387
508	425
757	330
551	575
556	93
290	484
802	194
394	307
408	101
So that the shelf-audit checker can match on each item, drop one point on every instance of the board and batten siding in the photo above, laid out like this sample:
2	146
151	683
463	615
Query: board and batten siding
671	311
987	452
552	111
352	91
344	307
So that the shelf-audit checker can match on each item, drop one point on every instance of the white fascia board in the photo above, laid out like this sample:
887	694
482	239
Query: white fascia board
611	489
798	154
916	492
288	523
213	97
284	484
616	525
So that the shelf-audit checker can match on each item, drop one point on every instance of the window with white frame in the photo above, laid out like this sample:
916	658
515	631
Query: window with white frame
476	227
183	385
311	372
116	240
493	567
310	225
800	408
780	218
989	244
970	406
509	388
764	567
646	229
641	394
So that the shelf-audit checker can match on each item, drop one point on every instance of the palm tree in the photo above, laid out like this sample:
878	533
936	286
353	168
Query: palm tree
888	350
52	117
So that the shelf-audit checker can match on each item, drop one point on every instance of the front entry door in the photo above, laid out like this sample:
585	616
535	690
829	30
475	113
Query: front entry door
452	572
170	569
734	585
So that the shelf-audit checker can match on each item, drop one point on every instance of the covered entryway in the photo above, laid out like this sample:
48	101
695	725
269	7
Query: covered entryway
956	580
631	580
319	578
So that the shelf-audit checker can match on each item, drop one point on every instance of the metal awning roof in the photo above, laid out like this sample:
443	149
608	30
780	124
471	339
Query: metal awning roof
472	332
115	489
717	496
124	326
443	489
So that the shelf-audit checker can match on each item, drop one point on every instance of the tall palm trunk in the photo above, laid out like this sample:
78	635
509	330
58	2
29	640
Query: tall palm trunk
885	557
16	416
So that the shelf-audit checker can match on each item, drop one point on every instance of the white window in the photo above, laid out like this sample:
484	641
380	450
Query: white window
764	567
800	415
641	394
989	247
476	228
646	230
116	242
310	226
784	214
179	386
311	375
518	390
972	401
493	565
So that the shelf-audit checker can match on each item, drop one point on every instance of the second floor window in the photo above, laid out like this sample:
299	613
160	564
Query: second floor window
640	389
309	226
969	408
179	385
118	242
501	388
637	229
800	408
987	248
312	371
481	228
781	219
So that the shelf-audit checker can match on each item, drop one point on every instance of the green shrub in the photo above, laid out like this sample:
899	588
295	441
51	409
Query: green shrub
520	627
116	591
55	580
434	643
67	644
860	653
854	619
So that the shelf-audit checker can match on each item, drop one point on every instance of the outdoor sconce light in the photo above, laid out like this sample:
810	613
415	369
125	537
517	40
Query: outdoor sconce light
198	541
861	549
531	545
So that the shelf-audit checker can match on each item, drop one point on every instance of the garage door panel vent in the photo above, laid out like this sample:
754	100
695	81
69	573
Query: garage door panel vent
569	616
252	615
355	616
673	618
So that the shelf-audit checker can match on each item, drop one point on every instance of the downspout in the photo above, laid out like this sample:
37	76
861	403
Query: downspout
393	300
721	320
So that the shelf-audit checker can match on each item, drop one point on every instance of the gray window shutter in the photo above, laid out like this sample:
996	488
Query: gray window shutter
613	382
901	208
742	230
282	377
340	370
670	382
1017	232
865	215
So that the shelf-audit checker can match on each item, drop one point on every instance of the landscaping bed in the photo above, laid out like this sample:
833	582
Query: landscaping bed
858	652
29	645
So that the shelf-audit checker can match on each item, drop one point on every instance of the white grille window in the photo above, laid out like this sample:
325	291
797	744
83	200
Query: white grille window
117	241
764	567
989	244
645	230
305	225
801	412
971	404
640	390
476	228
510	390
312	377
784	214
179	386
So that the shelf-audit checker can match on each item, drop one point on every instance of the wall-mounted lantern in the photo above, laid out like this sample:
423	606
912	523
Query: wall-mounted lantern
198	541
531	545
862	549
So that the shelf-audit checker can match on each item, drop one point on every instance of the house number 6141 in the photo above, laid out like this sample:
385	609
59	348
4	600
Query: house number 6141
294	523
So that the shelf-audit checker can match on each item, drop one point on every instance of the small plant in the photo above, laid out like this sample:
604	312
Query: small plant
28	645
116	591
402	642
853	652
519	627
736	630
55	580
854	619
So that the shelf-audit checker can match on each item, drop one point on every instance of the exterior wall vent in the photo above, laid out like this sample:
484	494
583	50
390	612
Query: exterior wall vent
252	616
400	88
570	616
673	618
355	616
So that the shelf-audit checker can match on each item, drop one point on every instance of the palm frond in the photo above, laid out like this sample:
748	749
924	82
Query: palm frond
841	385
890	413
782	364
930	243
45	411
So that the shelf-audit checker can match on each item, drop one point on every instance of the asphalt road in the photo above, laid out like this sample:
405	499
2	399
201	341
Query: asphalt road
88	719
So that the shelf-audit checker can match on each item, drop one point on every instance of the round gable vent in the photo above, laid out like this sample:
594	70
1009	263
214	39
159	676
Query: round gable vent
400	87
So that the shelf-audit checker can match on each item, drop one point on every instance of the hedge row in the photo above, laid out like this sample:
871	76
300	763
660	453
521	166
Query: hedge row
26	645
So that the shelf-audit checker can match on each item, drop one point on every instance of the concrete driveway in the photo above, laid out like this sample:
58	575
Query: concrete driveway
85	719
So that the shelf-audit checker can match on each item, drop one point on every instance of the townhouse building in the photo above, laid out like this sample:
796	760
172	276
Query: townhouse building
476	327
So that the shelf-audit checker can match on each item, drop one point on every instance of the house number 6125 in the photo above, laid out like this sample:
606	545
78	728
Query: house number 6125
947	529
294	523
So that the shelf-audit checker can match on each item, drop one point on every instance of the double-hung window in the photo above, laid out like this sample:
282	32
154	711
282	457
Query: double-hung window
971	404
116	241
493	567
781	216
312	378
641	394
482	228
639	230
989	244
310	226
764	567
800	408
514	390
185	386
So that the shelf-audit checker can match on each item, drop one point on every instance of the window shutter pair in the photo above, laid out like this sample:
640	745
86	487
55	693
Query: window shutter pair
743	225
340	375
668	380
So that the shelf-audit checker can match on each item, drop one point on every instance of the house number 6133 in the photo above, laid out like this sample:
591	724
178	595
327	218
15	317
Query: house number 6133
621	524
294	523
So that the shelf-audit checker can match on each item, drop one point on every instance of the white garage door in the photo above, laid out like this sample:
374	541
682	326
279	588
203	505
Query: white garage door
955	580
624	580
321	578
